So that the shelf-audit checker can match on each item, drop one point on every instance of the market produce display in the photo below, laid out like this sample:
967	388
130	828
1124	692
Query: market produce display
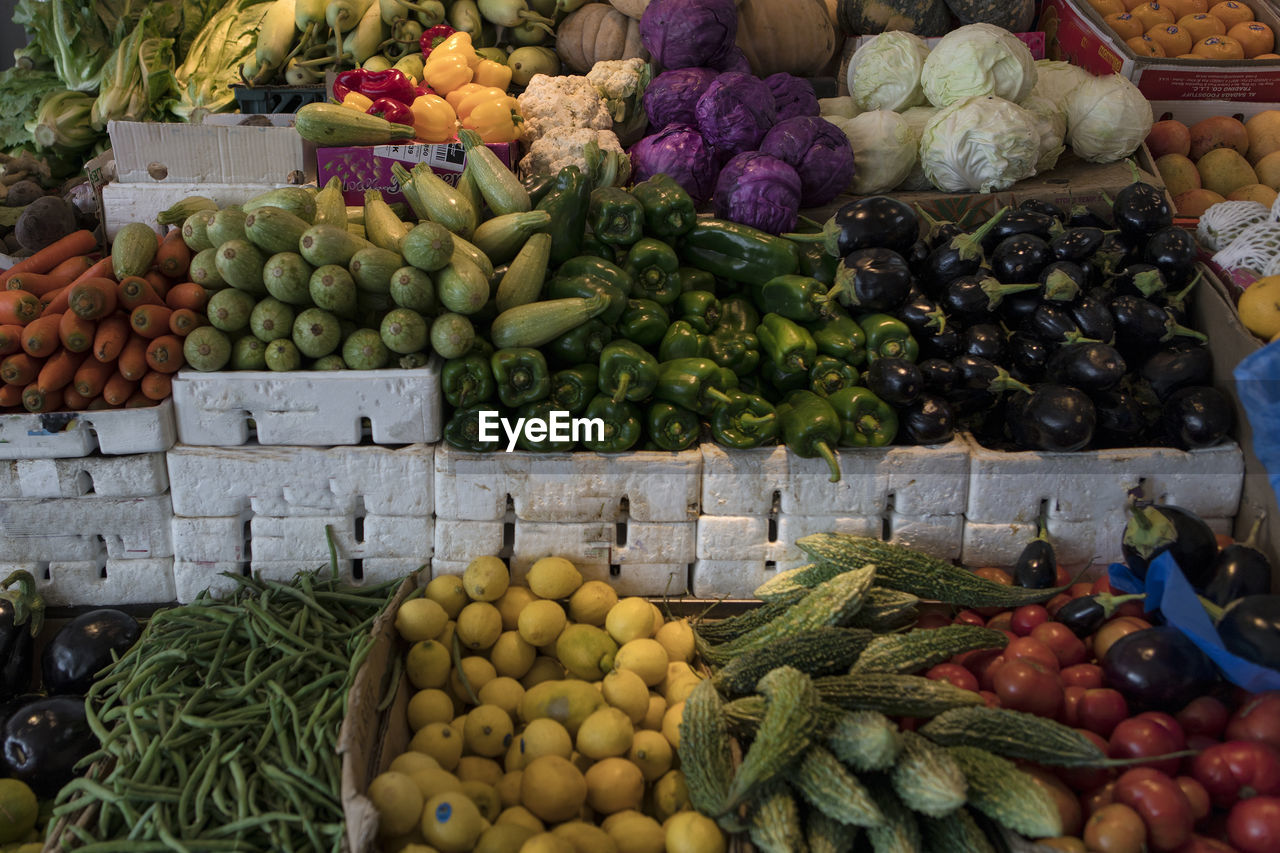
1218	159
1191	30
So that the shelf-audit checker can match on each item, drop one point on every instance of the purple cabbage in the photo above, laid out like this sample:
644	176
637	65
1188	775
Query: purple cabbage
688	33
736	112
818	151
681	152
792	95
734	60
670	97
759	190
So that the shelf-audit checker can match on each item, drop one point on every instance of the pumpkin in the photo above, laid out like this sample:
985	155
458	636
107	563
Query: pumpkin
795	36
925	18
597	32
1016	16
630	8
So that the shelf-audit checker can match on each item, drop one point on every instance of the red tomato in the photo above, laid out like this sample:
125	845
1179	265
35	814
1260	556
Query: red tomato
932	619
1069	713
1063	798
1257	719
1061	577
1115	828
969	617
1102	709
1001	622
1204	715
1168	723
1201	844
1200	742
982	663
1100	585
1027	617
999	576
1142	737
1029	648
990	699
1025	685
1254	825
1081	588
1095	798
955	674
1160	802
1237	770
1196	795
1087	778
1065	645
1114	630
1082	675
1056	602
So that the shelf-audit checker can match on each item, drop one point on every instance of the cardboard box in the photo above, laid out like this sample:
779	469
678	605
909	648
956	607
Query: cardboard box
368	167
1076	32
1190	112
219	151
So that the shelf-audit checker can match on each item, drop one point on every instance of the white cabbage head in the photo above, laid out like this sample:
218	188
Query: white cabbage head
1051	121
978	59
884	150
1056	80
980	144
1107	119
884	74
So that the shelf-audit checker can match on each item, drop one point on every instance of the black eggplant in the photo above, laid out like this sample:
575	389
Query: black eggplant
970	297
1052	417
1052	323
84	646
1240	570
1177	367
1062	281
872	280
1087	366
1028	356
1140	279
929	420
1121	418
21	616
983	339
1142	324
961	255
944	344
875	221
1198	416
939	375
922	315
1076	244
1140	210
1080	216
1250	628
43	741
1114	253
1179	301
1172	249
1087	613
1094	319
1048	208
897	381
1017	308
917	257
1020	258
1153	530
1019	221
1037	564
1158	668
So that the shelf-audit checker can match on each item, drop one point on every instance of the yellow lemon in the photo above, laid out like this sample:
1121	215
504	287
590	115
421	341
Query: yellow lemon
398	801
591	603
420	619
553	577
449	593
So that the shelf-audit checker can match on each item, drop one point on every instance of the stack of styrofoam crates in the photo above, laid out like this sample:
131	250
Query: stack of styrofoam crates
1083	498
756	503
84	504
628	519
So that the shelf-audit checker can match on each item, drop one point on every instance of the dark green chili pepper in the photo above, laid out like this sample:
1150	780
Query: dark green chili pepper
746	420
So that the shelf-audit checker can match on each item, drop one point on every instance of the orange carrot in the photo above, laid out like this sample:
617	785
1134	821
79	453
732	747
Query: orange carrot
134	290
182	321
18	307
92	375
164	354
10	339
36	399
76	333
35	283
76	243
93	298
59	369
72	268
156	385
97	404
173	257
150	321
158	283
10	396
109	340
56	302
118	389
73	400
20	369
40	337
133	358
100	269
187	295
138	400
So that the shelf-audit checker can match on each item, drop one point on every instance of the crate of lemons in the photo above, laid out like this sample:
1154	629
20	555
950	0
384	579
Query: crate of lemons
545	719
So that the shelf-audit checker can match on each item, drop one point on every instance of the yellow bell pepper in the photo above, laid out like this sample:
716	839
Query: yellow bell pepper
357	101
433	119
455	97
494	121
458	44
474	99
446	73
490	73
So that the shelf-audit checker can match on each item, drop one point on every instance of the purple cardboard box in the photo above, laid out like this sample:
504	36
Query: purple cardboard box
368	167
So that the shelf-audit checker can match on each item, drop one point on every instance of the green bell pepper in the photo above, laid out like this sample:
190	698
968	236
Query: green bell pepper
810	428
738	252
467	381
796	297
573	387
698	308
538	184
682	340
654	268
747	420
671	427
536	415
462	430
592	266
829	375
563	287
787	344
692	278
583	344
644	321
594	247
621	425
816	263
567	202
695	383
888	337
737	314
669	211
615	216
865	419
627	372
783	381
738	351
841	337
521	374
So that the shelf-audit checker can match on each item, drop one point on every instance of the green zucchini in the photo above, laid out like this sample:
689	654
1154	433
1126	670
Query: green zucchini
465	248
441	202
331	125
381	225
296	200
331	207
240	264
895	695
462	287
502	237
428	246
1015	734
274	229
1002	792
195	230
204	270
372	268
501	189
133	249
329	244
821	651
227	224
537	323
523	280
287	277
922	648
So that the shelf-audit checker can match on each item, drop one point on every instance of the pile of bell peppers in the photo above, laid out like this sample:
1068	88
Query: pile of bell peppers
454	87
712	330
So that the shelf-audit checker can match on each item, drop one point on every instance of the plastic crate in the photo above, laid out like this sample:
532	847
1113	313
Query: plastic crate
276	99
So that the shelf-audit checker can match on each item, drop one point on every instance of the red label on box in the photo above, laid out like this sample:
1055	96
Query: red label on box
368	167
1170	84
1070	37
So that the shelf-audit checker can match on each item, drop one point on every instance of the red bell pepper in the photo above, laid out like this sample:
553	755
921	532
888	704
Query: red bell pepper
434	36
391	83
392	110
348	81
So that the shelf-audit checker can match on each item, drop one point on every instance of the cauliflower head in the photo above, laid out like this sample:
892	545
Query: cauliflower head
559	104
571	147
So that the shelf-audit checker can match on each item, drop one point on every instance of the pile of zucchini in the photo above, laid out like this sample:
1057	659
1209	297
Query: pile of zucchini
808	683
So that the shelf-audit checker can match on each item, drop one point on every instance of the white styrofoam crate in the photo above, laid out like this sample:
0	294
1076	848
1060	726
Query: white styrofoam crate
86	529
1012	487
295	481
100	583
309	408
123	202
917	481
301	539
135	475
191	577
71	434
568	487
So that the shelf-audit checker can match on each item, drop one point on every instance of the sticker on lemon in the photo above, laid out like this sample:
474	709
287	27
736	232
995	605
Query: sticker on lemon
1259	307
451	822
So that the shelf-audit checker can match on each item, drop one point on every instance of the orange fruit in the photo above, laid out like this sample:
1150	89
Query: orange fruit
1255	37
1130	5
1182	8
1125	25
1153	14
1188	56
1172	38
1218	47
1107	7
1231	13
1268	56
1145	46
1201	26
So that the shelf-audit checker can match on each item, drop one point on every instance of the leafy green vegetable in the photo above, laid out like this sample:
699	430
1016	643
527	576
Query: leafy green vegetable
71	34
213	64
21	92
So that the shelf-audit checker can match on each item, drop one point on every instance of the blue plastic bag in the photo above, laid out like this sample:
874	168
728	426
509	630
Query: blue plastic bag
1258	387
1169	591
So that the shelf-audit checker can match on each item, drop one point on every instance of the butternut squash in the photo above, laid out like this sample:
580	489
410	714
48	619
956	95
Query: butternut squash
795	36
